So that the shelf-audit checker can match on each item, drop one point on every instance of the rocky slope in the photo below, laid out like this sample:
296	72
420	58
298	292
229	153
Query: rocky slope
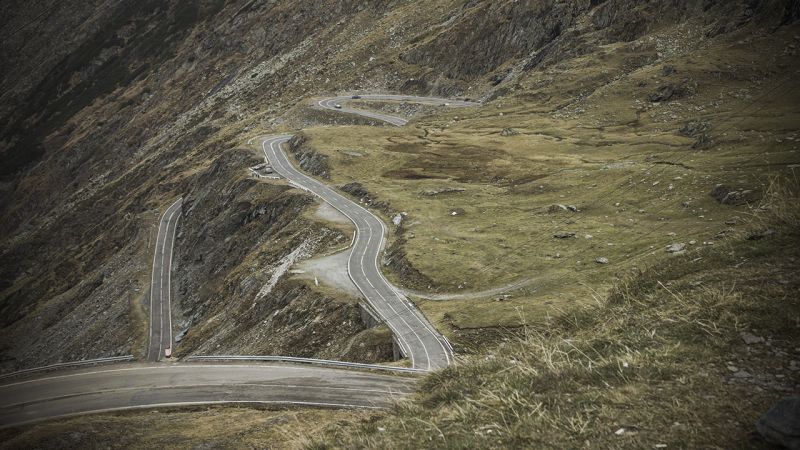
112	109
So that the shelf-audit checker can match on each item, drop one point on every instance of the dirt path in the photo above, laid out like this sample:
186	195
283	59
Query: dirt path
469	295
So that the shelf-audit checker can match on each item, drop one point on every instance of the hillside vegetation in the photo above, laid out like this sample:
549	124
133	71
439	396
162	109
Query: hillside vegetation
609	240
687	353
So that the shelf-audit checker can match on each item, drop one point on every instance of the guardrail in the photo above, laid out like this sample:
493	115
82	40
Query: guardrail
293	359
85	362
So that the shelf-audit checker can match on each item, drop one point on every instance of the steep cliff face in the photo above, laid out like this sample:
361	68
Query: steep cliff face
99	133
239	237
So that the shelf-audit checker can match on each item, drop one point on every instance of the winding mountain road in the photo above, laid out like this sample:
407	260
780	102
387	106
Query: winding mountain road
417	338
160	284
137	385
30	397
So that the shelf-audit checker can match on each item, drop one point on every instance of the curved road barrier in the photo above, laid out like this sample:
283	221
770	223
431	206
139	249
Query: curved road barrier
314	361
84	362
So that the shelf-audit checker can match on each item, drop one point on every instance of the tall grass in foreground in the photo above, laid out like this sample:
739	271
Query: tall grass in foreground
659	362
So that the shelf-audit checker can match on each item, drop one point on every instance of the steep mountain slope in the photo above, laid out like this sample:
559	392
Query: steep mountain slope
112	109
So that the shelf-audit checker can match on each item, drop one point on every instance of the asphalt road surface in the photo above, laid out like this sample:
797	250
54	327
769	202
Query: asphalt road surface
137	385
416	336
330	103
160	300
65	392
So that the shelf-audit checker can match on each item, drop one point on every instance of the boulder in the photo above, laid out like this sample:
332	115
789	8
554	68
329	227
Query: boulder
727	196
563	234
556	208
694	128
676	248
751	339
663	93
457	212
758	235
601	260
781	424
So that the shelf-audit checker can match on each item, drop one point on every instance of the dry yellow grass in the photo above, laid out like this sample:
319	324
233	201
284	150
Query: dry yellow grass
205	427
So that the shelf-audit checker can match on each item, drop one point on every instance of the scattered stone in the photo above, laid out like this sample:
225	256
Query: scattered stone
676	248
457	212
509	132
352	153
694	128
722	234
742	374
781	424
751	339
727	196
626	430
735	220
601	260
588	236
556	208
692	242
663	93
572	208
758	235
397	220
563	234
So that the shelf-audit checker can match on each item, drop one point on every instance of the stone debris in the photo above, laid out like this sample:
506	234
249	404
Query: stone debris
563	234
751	339
758	235
727	196
781	424
676	248
601	260
694	128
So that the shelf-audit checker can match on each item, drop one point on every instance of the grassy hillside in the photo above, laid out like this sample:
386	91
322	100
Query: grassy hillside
686	353
589	147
